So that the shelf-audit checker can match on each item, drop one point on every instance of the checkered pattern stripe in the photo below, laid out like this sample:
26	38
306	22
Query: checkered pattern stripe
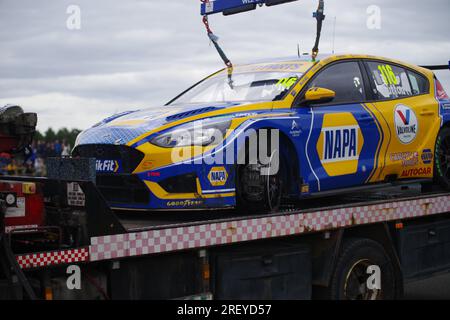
46	259
171	239
402	210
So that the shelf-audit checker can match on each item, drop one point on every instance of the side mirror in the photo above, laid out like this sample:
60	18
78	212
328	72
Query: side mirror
318	95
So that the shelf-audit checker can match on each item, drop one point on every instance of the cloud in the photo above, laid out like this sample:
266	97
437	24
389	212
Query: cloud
141	53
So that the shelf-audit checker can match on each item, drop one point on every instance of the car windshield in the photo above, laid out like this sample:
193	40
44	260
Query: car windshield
239	87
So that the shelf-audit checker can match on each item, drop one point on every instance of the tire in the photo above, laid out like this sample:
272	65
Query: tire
349	280
442	158
258	192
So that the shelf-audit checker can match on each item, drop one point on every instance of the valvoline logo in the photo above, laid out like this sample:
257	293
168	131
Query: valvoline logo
406	125
405	117
108	166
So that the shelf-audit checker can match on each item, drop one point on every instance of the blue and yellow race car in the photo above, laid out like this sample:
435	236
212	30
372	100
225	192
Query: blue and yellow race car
341	122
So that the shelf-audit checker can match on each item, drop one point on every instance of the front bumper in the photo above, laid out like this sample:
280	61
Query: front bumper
185	186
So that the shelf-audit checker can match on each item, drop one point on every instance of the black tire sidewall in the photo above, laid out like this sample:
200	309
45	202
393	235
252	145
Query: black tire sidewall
244	205
438	177
359	249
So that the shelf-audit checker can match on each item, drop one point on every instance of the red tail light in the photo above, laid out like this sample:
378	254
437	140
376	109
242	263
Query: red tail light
440	92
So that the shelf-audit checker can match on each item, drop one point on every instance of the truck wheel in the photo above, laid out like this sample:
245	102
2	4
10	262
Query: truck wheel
442	159
349	280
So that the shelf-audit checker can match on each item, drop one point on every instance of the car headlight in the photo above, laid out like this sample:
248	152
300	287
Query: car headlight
199	133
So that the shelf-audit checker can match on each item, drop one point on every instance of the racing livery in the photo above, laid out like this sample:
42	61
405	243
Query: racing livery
340	122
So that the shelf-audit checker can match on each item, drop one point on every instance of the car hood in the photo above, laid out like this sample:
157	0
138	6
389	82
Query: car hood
126	126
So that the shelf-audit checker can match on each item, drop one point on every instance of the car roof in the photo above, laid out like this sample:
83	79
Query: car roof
307	62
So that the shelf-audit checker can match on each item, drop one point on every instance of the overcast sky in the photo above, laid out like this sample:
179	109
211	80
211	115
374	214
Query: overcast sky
140	53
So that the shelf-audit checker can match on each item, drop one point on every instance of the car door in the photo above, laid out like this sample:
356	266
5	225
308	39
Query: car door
344	137
409	118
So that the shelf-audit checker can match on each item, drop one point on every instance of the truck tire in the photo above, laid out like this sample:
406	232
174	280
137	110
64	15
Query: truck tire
349	280
442	158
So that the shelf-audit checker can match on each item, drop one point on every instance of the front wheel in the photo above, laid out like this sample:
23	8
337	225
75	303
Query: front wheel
260	186
258	191
442	159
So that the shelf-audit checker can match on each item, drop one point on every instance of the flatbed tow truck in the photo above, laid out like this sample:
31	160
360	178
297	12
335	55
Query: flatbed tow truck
61	240
291	254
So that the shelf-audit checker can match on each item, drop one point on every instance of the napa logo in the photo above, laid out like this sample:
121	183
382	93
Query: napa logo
107	166
340	144
218	176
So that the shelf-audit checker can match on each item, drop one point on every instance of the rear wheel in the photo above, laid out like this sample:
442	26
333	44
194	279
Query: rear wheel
356	265
442	159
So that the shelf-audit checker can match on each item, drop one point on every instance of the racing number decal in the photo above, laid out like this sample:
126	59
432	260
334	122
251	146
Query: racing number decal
287	82
388	75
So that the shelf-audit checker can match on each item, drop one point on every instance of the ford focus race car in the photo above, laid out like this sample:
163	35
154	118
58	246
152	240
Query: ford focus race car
255	135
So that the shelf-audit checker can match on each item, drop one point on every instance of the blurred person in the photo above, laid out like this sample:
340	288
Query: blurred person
39	167
50	150
12	168
57	147
5	159
40	147
29	168
65	149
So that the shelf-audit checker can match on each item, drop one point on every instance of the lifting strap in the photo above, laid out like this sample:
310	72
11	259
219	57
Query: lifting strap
215	40
319	15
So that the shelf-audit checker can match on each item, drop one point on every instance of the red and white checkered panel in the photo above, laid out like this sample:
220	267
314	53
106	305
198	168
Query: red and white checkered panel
402	210
45	259
158	241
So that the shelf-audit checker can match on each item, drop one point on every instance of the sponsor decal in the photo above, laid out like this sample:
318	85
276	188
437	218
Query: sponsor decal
242	115
147	164
416	172
295	129
282	67
408	159
427	156
218	176
107	166
446	106
406	125
184	203
340	144
154	174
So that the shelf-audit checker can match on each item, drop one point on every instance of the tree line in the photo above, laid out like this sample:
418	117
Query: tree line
62	134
